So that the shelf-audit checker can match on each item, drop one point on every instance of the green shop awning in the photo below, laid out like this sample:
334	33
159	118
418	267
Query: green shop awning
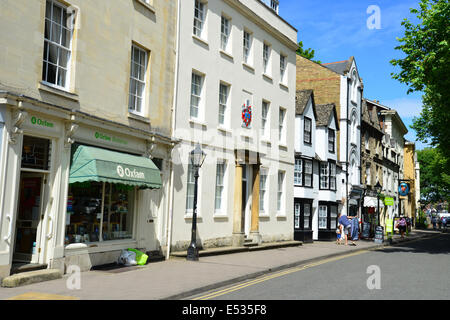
95	164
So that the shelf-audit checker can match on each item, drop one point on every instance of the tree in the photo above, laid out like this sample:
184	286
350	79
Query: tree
306	53
434	179
426	68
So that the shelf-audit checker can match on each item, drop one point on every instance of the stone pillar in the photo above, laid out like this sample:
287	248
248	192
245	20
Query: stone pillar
254	229
238	235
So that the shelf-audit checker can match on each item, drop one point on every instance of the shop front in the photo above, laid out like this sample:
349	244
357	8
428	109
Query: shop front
79	190
370	215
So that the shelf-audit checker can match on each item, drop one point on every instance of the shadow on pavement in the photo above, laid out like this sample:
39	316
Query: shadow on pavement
437	245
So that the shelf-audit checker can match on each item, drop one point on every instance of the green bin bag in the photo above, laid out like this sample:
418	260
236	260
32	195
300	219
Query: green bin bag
141	258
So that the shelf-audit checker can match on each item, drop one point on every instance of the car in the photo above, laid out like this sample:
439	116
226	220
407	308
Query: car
443	214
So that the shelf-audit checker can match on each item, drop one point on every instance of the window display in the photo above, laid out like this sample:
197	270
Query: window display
90	221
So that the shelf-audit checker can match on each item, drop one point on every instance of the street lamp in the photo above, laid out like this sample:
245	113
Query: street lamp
196	158
378	188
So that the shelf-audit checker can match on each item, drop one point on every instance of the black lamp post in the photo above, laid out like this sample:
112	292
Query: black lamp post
378	188
196	158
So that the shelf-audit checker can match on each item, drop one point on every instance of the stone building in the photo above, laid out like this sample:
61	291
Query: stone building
371	161
235	96
84	81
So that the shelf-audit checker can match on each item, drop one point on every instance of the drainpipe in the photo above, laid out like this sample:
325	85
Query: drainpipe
346	151
175	91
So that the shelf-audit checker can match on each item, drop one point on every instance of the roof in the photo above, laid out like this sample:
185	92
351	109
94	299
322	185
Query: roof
324	112
341	67
301	100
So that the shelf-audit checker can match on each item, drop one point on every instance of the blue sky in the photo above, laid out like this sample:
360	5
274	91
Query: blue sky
337	30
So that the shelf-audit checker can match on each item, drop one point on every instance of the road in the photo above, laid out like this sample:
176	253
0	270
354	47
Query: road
414	270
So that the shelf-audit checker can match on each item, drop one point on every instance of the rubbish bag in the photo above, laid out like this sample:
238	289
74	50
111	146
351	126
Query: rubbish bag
141	258
127	258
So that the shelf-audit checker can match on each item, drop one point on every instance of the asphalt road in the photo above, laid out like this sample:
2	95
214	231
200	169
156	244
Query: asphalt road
414	270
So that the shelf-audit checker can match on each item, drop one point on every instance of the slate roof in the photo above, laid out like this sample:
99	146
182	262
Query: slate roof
341	67
301	100
324	112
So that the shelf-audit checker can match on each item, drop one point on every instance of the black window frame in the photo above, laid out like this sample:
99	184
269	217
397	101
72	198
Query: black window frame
334	140
301	174
328	205
304	173
305	131
302	203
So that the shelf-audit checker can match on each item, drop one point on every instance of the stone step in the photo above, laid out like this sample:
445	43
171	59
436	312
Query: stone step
26	278
26	267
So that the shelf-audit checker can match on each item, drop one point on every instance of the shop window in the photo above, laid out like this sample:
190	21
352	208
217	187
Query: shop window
84	221
36	153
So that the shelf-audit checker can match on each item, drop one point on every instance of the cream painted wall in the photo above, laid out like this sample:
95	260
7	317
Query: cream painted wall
105	31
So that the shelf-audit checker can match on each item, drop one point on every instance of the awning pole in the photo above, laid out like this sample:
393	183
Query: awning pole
102	210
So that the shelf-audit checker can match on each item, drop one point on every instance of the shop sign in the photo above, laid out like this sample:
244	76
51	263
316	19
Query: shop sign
110	138
389	201
403	189
126	172
246	115
40	122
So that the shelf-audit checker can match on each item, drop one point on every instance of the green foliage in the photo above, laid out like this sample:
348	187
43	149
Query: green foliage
421	222
434	178
306	53
426	68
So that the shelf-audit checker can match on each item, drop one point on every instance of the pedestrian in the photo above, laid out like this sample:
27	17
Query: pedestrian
433	221
401	225
439	221
346	226
444	223
339	234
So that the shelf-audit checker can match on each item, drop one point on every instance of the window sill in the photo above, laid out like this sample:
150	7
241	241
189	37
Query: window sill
203	41
246	65
226	54
266	141
100	246
147	5
197	122
220	215
282	145
265	75
224	129
138	117
188	216
264	215
284	86
44	86
281	215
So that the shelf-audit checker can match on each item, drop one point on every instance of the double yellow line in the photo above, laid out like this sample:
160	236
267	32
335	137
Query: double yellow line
272	276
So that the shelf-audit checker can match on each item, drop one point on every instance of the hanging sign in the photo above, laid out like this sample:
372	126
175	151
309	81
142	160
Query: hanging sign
246	115
403	189
389	201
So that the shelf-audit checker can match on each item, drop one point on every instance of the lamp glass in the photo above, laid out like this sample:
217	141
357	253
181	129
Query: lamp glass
197	156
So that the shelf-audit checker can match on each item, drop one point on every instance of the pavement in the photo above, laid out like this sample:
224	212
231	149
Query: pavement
178	278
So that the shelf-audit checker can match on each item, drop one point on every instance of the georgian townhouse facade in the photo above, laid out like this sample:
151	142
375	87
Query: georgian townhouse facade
86	90
316	172
340	83
235	96
411	175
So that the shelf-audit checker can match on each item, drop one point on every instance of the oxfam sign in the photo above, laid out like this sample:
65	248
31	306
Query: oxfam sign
127	172
40	122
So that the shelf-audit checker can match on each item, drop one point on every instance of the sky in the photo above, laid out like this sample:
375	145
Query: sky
337	30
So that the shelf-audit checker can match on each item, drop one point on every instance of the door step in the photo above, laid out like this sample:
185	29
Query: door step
26	267
249	243
26	278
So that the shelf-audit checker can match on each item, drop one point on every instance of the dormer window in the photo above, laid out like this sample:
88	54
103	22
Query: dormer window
274	5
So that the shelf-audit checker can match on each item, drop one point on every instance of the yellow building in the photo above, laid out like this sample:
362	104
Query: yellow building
411	170
84	80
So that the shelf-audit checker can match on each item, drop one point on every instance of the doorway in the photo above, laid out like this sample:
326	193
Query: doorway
30	214
246	204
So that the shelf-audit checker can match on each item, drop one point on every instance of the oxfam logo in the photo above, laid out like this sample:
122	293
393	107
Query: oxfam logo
120	171
40	122
33	120
129	173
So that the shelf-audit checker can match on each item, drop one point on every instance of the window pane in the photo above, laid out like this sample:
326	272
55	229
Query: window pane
63	58
61	77
53	54
56	33
51	73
